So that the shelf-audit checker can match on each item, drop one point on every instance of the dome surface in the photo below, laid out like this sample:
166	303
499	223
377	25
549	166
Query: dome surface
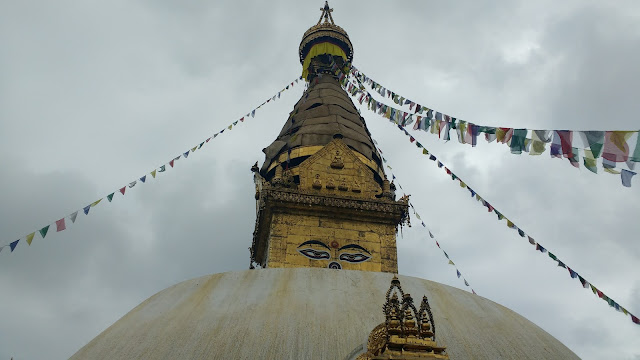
308	314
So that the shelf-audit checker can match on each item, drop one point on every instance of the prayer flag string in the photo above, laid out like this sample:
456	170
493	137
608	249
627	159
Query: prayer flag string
63	223
354	90
607	147
427	229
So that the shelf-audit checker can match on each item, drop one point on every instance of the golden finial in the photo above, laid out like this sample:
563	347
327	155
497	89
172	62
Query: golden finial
326	13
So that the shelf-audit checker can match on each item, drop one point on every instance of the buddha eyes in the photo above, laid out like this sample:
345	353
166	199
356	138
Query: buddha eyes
354	258
315	254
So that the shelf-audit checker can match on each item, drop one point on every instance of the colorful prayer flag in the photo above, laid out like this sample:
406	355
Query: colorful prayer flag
86	209
144	178
43	231
29	238
626	176
60	225
110	197
123	189
14	244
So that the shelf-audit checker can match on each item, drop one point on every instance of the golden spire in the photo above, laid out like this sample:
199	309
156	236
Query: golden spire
326	13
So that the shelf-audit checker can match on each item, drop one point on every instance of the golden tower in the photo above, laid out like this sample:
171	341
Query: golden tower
323	199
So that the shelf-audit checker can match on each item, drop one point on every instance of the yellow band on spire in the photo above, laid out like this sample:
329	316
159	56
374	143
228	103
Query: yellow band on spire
319	49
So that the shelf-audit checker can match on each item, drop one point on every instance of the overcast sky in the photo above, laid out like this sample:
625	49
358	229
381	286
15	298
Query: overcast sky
96	94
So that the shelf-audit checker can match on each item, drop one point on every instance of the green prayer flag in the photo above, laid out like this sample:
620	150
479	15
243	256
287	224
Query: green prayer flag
110	197
552	256
43	231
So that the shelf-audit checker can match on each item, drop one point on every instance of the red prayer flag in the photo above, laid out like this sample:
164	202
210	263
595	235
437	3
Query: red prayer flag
566	138
171	162
123	189
60	225
635	319
600	294
242	118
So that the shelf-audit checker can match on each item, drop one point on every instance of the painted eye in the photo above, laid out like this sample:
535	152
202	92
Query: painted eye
314	254
354	258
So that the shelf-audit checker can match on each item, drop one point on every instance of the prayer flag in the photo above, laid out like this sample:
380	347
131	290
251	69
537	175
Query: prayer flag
60	225
86	209
626	176
171	162
95	203
186	155
465	282
616	148
572	273
253	113
593	141
589	161
458	273
510	224
539	139
635	319
517	141
73	217
123	189
584	282
521	233
132	184
561	264
153	174
531	241
552	256
162	169
540	248
144	178
445	254
200	146
430	234
14	244
30	238
110	197
451	263
43	231
432	158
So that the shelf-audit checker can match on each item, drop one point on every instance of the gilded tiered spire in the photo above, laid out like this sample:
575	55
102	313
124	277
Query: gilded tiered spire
323	198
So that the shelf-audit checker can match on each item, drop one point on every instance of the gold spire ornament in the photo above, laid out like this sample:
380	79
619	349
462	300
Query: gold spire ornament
407	333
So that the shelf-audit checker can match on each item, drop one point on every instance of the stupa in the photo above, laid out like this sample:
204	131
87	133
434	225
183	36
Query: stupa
322	283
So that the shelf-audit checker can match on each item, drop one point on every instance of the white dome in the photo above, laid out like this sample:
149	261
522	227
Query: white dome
308	314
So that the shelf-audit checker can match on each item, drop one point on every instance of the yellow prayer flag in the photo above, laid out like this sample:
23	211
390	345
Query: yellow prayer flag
30	238
619	138
500	134
451	263
478	197
95	203
462	184
510	224
612	171
230	126
424	151
153	173
194	148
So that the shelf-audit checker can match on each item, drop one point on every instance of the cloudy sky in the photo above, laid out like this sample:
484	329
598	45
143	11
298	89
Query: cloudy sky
95	94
